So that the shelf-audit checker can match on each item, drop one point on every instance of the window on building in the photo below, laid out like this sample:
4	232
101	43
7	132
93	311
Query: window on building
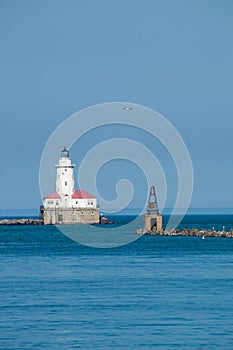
82	213
65	183
65	169
91	202
76	202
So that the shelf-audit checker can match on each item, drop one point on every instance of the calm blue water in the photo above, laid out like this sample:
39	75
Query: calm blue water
157	292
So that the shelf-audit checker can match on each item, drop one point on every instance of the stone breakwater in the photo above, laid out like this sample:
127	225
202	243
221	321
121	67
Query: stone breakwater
192	232
21	222
103	221
175	232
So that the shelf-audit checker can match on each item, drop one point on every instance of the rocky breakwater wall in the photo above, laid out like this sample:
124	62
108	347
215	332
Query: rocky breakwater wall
21	222
193	232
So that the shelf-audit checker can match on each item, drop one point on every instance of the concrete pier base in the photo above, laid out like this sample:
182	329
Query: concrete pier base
70	216
153	223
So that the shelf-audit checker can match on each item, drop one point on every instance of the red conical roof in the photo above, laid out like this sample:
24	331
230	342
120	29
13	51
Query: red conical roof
53	195
82	194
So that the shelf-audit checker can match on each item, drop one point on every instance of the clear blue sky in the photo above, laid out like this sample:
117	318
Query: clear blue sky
58	57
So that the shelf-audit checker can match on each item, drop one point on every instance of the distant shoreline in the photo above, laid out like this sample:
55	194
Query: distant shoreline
19	216
131	209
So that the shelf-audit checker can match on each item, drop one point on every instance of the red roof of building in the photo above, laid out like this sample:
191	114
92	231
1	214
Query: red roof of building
53	195
81	194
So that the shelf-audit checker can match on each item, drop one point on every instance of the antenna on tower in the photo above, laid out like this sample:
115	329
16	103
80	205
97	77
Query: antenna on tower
152	206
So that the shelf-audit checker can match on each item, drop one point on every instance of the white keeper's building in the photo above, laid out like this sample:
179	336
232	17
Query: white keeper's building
67	205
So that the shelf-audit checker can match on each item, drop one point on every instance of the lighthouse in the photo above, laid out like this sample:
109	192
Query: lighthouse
65	179
67	205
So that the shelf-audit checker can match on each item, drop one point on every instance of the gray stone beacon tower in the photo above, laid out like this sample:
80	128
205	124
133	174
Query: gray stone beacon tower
152	217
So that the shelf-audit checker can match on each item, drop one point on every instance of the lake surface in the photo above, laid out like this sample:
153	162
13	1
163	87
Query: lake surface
155	293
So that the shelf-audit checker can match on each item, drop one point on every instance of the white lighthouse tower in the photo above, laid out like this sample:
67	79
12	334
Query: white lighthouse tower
67	205
65	179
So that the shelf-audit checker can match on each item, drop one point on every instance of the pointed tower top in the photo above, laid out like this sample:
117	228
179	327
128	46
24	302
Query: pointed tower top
152	207
65	153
